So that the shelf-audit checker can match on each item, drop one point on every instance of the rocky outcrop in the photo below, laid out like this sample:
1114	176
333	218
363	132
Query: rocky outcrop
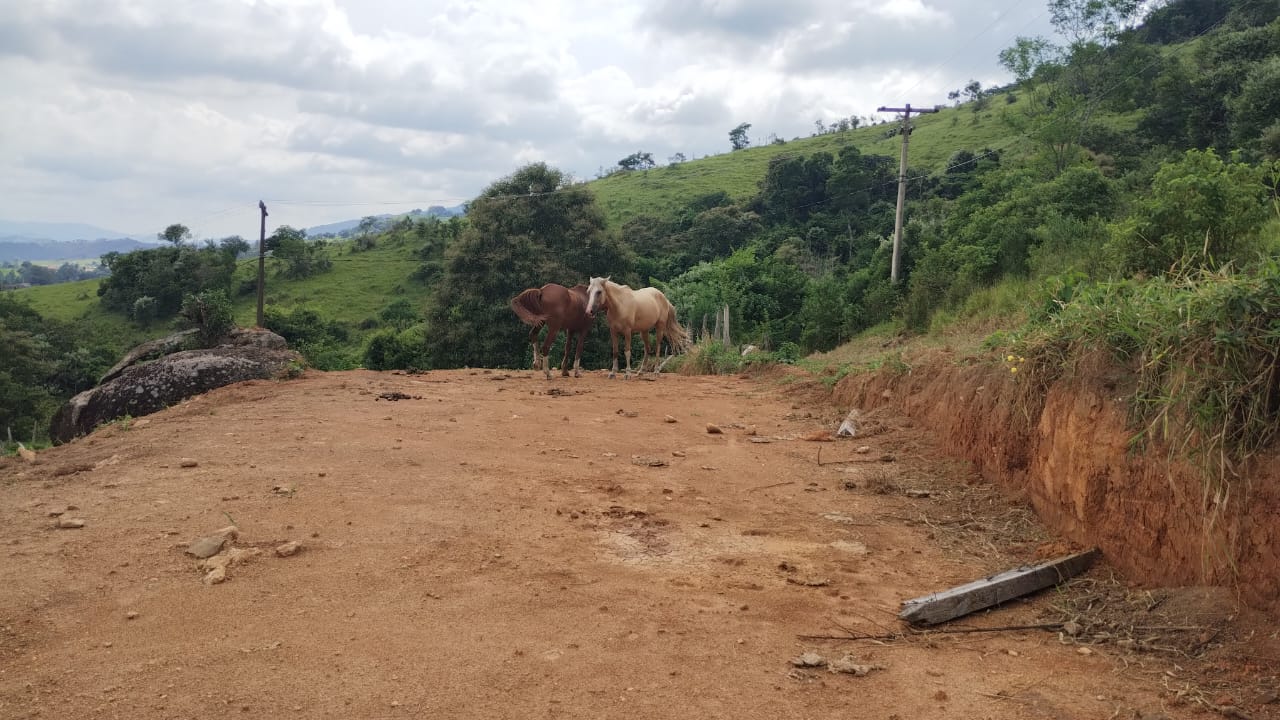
1068	451
159	373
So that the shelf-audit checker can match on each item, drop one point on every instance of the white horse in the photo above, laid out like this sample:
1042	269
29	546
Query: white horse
630	311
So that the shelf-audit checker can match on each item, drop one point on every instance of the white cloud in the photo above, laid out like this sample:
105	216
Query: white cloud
138	113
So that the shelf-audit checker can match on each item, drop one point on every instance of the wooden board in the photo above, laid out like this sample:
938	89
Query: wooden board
993	590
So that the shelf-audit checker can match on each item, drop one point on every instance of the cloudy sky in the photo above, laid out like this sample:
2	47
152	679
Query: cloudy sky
133	114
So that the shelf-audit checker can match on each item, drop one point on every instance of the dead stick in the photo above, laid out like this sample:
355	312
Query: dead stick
939	631
766	487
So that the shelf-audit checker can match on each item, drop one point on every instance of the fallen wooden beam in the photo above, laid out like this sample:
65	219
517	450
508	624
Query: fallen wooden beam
993	590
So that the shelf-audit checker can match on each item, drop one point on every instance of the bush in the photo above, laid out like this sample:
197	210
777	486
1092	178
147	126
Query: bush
209	312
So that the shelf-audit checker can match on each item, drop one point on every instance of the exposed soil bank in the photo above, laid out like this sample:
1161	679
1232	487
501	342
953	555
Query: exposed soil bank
1161	522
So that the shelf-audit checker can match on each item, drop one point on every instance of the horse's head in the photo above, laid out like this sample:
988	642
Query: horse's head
597	299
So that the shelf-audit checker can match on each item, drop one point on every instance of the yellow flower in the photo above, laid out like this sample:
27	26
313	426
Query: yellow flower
1009	359
1013	369
1021	359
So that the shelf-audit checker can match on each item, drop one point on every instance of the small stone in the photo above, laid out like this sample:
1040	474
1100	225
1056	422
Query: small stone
669	419
850	665
1084	651
713	429
66	523
1071	627
917	493
677	453
131	615
187	463
809	659
206	546
863	449
290	548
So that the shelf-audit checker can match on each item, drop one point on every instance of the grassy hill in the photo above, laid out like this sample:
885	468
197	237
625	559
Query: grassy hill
937	136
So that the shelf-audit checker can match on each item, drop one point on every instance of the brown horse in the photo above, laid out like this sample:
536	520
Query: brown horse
630	311
557	307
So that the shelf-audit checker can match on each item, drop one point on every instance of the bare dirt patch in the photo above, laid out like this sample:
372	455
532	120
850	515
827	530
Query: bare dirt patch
495	545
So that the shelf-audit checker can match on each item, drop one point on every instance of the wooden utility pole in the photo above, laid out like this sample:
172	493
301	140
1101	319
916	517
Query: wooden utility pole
902	182
262	258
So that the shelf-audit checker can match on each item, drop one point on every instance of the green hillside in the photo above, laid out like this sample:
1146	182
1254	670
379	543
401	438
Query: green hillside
935	139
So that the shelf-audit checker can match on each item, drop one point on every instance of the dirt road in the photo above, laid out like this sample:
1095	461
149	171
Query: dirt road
494	545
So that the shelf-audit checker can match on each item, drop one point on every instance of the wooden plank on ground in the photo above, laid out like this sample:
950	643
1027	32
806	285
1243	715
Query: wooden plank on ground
993	590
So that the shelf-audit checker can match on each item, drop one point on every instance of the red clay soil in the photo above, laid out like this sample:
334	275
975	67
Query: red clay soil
489	544
1071	455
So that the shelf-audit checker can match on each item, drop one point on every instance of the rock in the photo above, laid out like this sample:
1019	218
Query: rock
230	532
850	665
1084	651
677	453
66	523
669	419
852	547
863	449
159	374
713	429
215	576
131	615
290	548
809	659
187	463
208	546
25	454
1071	627
917	493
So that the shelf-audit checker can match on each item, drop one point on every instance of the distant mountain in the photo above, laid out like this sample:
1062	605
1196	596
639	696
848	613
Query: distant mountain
18	231
345	227
18	250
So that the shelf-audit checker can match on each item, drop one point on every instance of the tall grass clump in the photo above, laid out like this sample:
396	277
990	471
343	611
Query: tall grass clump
1204	350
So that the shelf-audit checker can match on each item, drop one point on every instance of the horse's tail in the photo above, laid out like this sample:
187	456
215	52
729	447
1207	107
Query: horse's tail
528	307
678	336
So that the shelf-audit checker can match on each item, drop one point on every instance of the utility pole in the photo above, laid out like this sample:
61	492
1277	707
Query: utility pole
902	182
261	261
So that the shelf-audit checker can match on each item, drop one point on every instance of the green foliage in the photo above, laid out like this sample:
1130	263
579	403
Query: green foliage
1201	212
161	277
302	258
209	312
44	362
391	350
710	357
322	342
525	230
1202	347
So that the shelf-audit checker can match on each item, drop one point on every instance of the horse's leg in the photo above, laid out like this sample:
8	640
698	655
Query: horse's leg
552	331
564	364
629	343
613	338
644	359
533	340
577	355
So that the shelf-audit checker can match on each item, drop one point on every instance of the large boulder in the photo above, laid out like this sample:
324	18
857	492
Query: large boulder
159	373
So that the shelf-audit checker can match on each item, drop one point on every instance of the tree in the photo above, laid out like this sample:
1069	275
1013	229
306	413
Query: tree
1093	21
1026	56
738	136
532	227
637	161
175	234
1202	212
975	94
400	314
302	258
677	159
